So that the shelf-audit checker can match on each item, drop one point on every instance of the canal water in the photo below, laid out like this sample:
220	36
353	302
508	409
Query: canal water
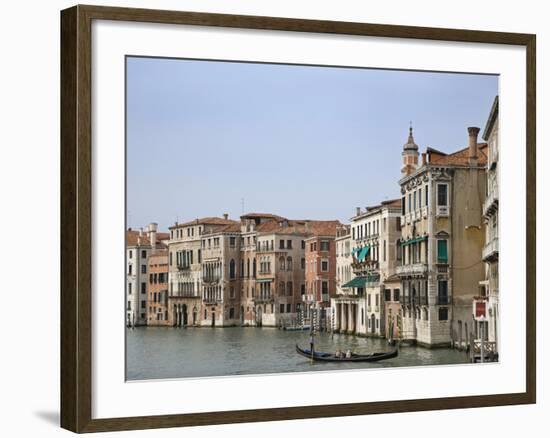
166	352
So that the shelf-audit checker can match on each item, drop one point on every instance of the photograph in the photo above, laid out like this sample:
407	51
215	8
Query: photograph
286	218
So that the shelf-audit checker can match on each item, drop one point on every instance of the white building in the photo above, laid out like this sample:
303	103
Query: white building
139	246
491	217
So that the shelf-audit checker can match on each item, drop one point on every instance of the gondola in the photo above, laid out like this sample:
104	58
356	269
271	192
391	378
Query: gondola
331	357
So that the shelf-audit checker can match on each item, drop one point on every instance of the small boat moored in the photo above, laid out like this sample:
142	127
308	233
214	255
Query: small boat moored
331	357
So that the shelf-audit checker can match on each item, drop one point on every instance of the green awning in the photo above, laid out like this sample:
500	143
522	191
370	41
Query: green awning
356	282
355	250
413	240
363	253
264	280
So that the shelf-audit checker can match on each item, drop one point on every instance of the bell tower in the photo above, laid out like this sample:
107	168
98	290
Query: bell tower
410	155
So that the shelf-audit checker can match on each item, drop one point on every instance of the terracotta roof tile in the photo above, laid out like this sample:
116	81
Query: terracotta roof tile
205	221
458	158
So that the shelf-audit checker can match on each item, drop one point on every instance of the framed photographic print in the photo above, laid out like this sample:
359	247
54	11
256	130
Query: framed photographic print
270	218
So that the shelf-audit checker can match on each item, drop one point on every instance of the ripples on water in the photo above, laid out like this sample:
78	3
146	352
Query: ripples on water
165	352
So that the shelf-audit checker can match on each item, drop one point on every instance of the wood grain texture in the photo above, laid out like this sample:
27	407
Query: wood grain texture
76	222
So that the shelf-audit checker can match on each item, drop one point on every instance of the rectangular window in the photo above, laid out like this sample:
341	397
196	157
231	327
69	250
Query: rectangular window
384	250
143	269
324	287
281	244
387	295
129	288
143	254
324	265
303	244
426	194
130	254
353	232
414	201
143	288
303	289
129	307
442	251
289	244
199	255
303	263
232	242
443	313
288	308
281	308
420	198
442	194
396	294
325	245
129	269
403	206
442	292
143	304
410	202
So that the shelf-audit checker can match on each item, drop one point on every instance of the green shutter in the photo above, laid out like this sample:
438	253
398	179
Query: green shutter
442	251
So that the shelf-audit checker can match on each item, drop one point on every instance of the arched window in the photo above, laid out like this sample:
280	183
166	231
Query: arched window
232	269
254	268
282	263
248	267
289	263
281	288
289	288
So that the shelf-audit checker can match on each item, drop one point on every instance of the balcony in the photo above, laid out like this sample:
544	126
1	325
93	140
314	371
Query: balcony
414	269
490	206
442	210
405	299
443	300
421	300
182	267
489	252
265	299
208	279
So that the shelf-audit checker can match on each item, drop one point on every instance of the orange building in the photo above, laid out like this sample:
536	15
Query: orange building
157	296
320	273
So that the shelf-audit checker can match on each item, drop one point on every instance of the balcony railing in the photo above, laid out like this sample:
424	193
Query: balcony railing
490	251
490	204
263	299
208	279
182	267
443	300
413	269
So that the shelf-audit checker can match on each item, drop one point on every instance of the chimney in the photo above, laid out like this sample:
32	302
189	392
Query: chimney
225	216
357	211
472	146
423	158
153	235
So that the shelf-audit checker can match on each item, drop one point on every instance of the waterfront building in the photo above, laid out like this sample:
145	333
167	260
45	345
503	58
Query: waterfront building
249	267
140	245
280	276
221	275
157	290
375	232
185	269
442	236
320	275
344	304
489	287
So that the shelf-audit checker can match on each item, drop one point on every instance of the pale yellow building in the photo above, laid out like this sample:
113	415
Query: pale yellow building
442	237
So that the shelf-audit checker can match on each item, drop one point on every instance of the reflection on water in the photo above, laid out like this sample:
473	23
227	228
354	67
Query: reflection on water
163	352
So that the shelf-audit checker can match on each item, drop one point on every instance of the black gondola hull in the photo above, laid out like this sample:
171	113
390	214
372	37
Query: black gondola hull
328	357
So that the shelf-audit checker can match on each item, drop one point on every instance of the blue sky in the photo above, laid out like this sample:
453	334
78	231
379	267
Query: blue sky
298	141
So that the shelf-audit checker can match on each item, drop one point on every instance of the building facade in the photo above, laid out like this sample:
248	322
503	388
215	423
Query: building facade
157	290
140	245
374	236
221	276
185	269
320	276
442	236
490	215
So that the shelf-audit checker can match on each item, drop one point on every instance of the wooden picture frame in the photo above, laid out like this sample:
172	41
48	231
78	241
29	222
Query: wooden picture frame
76	217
